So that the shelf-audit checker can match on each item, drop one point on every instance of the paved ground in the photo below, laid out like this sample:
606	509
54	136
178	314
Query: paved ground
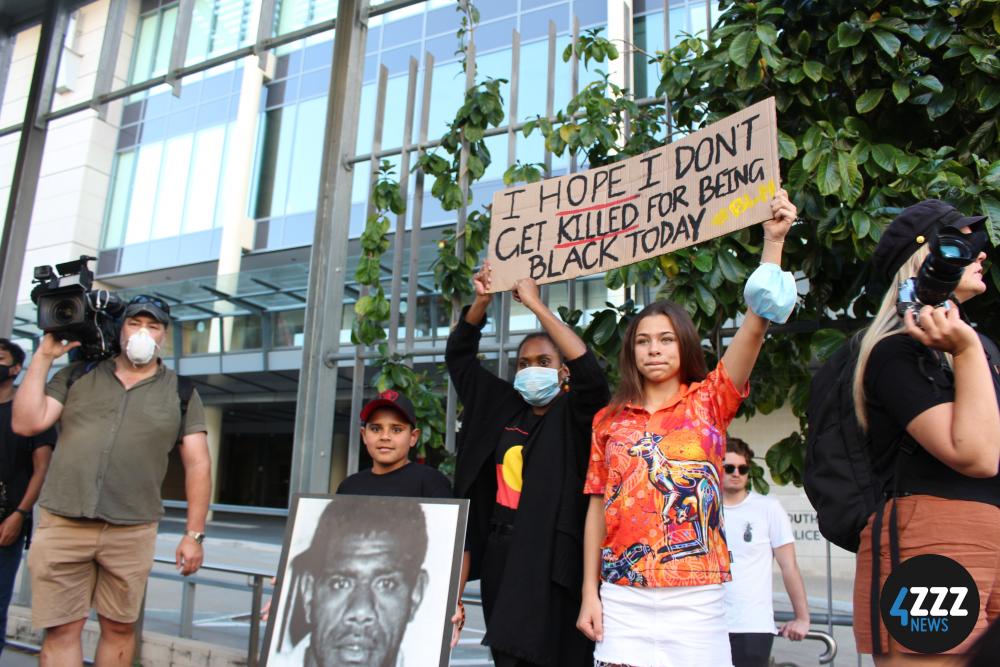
254	543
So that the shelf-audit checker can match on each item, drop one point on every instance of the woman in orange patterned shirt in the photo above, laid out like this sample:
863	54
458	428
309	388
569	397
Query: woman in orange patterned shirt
655	554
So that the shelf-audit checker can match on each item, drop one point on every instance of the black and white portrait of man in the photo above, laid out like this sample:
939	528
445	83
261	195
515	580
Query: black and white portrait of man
361	574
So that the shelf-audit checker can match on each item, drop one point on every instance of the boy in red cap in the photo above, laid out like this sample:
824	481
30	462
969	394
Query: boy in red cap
389	431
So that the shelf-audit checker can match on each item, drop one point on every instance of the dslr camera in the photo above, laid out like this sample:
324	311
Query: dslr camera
940	272
70	309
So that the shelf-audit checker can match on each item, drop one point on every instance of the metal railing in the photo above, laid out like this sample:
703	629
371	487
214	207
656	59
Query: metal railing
255	582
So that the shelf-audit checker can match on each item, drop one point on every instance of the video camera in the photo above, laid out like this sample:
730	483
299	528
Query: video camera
940	272
70	309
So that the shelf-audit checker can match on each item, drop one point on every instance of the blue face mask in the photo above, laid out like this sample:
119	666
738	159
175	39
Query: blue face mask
537	385
770	293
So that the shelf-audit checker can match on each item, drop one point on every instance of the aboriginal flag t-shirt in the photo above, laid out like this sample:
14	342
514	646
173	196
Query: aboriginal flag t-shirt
510	461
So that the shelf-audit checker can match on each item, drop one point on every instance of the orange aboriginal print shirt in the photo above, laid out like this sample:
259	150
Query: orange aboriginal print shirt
660	475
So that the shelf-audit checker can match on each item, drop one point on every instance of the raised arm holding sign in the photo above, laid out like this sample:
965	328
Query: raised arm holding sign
705	185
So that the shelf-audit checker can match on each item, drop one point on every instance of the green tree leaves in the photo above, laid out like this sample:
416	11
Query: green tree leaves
879	105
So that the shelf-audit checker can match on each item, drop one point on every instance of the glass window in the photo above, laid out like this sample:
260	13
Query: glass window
699	18
403	30
200	35
195	336
171	187
275	162
143	203
229	26
206	170
679	23
165	40
398	60
295	14
244	333
307	157
442	48
648	32
590	12
442	20
495	35
142	61
366	117
448	79
534	77
114	230
395	112
289	328
536	24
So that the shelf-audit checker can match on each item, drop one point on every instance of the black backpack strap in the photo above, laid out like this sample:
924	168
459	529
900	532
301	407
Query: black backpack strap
185	388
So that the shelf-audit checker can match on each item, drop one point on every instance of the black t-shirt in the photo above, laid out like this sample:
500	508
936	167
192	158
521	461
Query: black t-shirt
903	379
15	456
413	480
509	460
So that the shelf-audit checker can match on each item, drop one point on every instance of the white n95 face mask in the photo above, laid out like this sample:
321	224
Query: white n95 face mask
141	348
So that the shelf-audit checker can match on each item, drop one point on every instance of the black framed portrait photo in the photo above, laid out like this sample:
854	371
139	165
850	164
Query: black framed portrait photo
368	581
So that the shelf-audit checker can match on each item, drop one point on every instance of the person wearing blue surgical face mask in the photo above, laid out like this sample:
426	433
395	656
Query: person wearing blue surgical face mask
522	452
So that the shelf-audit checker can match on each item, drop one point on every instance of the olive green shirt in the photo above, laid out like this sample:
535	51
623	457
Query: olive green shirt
111	455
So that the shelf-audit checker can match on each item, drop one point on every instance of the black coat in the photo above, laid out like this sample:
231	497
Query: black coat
547	542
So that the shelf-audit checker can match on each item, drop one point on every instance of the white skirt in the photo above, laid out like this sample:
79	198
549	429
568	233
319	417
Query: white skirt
664	627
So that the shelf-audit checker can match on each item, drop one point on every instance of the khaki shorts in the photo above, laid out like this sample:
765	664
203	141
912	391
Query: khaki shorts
968	532
77	564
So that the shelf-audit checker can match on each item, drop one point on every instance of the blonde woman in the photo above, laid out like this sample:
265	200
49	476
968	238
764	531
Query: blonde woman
925	391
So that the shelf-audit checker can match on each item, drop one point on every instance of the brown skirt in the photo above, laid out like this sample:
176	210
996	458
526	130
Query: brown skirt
965	531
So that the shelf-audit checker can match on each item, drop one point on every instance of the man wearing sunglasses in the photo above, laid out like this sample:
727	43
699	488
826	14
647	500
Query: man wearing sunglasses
757	530
100	505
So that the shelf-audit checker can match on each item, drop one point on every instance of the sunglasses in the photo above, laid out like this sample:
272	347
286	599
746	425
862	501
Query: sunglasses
152	300
730	468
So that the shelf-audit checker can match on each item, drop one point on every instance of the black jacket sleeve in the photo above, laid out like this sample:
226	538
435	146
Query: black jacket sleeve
472	382
588	394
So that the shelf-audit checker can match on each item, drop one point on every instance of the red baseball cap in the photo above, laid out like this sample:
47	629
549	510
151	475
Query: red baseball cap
390	398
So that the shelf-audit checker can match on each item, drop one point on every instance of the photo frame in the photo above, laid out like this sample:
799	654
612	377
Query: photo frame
374	577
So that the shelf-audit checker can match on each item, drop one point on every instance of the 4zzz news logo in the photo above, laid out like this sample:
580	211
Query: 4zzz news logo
929	604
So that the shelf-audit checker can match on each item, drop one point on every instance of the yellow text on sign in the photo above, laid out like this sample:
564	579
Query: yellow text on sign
742	203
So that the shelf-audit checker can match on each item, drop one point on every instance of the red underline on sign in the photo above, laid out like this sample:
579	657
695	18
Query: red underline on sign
597	207
569	244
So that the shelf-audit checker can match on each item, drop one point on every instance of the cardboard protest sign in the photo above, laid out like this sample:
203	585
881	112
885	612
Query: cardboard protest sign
705	185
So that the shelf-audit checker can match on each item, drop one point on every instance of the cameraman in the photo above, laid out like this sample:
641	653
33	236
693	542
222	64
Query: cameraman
100	504
925	390
23	462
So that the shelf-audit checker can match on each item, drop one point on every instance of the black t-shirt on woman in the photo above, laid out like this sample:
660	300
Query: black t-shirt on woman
903	379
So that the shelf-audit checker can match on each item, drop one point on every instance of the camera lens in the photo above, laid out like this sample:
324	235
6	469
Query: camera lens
66	311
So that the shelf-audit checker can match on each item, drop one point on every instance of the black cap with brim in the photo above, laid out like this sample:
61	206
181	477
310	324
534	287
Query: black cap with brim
390	398
150	309
912	228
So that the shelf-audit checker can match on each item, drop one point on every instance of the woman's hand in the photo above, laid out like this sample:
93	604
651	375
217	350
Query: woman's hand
941	329
526	291
591	619
783	214
482	281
